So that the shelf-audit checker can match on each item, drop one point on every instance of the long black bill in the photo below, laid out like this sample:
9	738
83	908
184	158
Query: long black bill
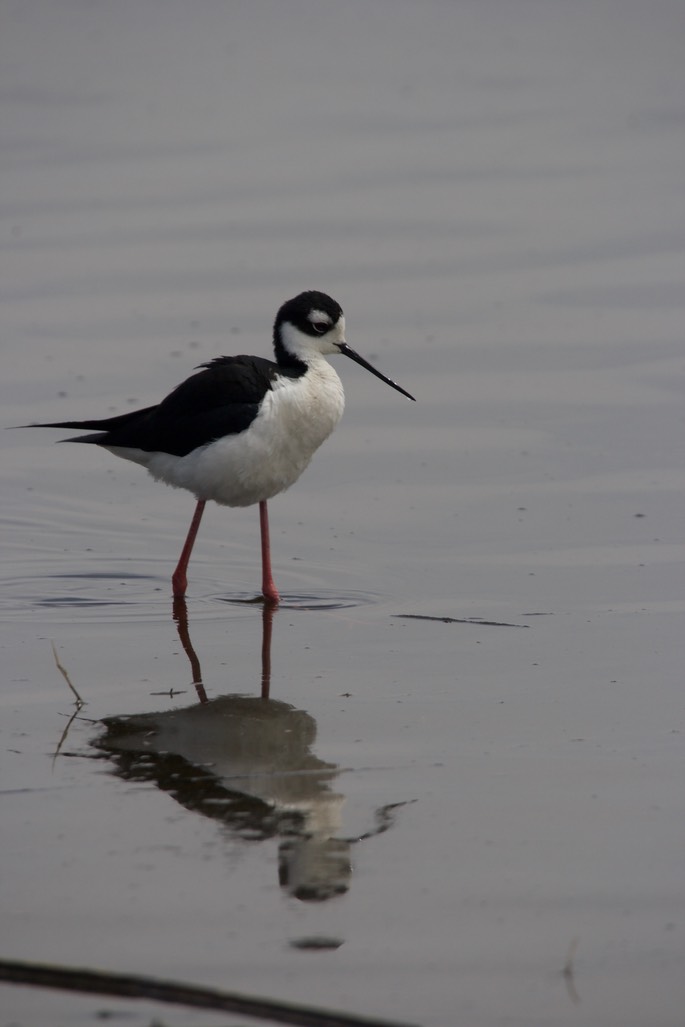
349	352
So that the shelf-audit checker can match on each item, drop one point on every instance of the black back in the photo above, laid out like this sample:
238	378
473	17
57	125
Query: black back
222	399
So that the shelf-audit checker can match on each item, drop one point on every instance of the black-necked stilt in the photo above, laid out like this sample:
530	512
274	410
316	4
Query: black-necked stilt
244	428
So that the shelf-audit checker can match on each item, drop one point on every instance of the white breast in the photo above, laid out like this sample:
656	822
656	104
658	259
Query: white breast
269	456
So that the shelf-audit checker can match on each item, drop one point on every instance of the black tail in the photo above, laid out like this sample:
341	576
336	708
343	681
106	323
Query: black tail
105	426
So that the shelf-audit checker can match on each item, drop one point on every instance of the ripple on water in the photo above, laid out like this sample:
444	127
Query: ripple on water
322	599
45	585
125	592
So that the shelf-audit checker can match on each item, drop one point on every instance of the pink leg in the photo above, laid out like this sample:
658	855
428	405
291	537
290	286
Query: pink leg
179	579
269	592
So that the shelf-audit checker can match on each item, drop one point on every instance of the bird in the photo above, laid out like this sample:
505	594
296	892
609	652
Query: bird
243	428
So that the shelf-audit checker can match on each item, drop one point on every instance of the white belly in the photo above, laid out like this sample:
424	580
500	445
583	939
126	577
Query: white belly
269	456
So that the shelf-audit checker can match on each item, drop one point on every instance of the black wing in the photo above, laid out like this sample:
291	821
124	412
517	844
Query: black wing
222	399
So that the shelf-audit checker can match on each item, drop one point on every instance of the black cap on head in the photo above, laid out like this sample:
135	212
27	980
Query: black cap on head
297	310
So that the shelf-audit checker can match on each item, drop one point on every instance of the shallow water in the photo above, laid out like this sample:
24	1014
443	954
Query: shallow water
468	773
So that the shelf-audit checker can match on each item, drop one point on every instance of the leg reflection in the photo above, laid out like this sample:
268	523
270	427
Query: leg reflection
180	616
267	624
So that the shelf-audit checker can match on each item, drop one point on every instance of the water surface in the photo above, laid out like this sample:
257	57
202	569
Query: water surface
433	815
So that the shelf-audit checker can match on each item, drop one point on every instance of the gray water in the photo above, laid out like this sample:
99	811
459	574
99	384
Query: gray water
460	806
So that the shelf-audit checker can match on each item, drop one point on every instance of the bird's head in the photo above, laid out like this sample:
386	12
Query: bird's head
313	323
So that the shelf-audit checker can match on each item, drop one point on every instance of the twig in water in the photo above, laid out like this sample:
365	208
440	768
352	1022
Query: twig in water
63	739
94	982
477	621
65	675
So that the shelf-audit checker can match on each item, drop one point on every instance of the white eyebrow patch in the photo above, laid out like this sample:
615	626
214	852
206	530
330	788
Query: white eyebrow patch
317	316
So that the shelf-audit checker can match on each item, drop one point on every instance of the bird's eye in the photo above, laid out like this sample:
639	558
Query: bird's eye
320	327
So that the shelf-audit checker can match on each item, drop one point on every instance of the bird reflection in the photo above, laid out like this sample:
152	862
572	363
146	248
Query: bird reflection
248	763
